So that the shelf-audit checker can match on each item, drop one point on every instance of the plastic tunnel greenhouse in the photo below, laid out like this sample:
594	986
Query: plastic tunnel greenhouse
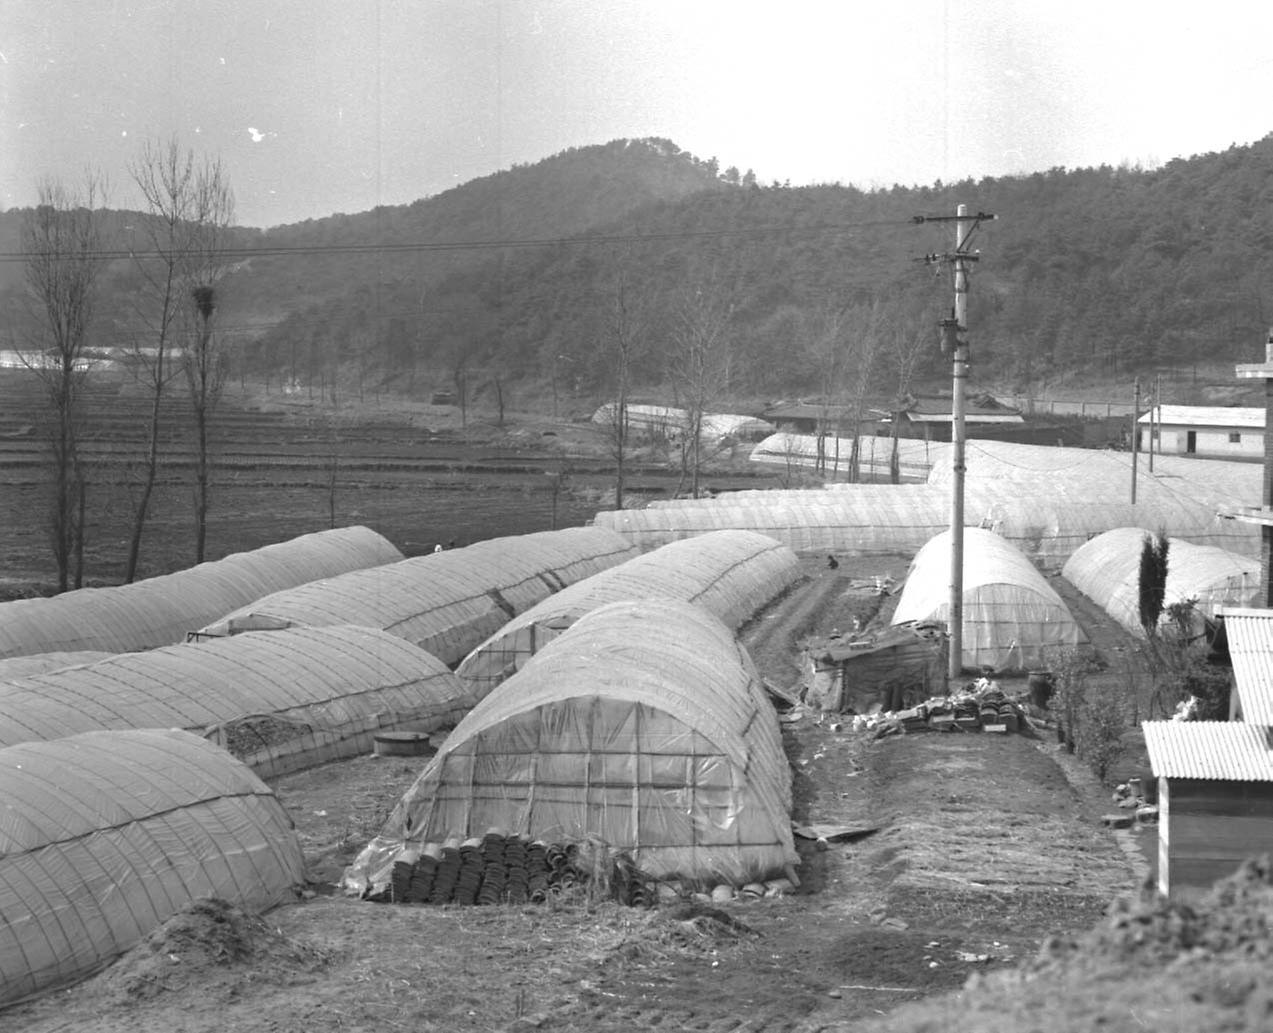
445	602
804	452
278	700
1045	518
875	519
13	667
644	726
160	610
107	835
1012	616
1107	571
731	574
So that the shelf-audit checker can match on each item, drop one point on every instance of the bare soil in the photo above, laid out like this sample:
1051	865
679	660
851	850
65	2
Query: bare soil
964	853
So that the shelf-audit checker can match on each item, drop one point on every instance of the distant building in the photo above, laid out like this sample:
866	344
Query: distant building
1209	431
815	417
930	417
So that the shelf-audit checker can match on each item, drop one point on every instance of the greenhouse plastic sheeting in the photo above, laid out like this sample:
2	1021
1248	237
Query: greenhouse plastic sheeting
279	700
874	519
1046	519
1012	616
160	610
662	420
446	602
802	452
731	574
105	836
645	725
1214	483
13	667
1107	571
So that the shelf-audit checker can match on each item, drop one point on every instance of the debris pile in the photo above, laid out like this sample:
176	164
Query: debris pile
981	706
1133	806
1235	918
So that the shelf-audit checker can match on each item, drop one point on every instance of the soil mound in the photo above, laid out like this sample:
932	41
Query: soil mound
208	941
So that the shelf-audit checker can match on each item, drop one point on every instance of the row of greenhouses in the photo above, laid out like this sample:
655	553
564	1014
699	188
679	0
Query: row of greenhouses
278	700
1046	518
266	702
445	602
731	574
159	611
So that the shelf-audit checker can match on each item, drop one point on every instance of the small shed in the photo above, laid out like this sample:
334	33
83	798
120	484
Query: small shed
1215	799
1216	431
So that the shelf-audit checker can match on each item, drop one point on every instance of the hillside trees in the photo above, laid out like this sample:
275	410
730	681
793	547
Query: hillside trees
1104	270
626	327
62	243
700	359
188	209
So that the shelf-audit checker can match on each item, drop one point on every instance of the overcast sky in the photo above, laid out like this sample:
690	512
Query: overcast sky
323	106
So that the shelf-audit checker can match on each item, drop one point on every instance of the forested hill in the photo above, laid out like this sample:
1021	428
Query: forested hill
518	275
560	196
1107	270
325	259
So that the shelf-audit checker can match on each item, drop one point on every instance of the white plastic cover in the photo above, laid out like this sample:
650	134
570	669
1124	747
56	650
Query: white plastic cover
446	602
731	574
105	836
1107	571
280	700
1045	518
644	725
666	420
160	610
1012	616
833	455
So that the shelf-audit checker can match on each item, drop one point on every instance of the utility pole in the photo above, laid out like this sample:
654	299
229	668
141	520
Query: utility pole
1135	437
1155	420
955	345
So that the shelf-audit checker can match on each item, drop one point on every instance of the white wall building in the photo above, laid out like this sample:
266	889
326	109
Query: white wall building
1211	431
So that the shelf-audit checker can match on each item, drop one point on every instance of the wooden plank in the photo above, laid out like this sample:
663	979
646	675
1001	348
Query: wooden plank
1220	836
1200	871
1222	798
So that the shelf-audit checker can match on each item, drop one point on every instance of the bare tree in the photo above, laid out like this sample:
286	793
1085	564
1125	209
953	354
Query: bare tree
911	340
862	339
700	339
189	208
625	328
62	242
828	354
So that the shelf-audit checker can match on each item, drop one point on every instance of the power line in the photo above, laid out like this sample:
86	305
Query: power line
477	245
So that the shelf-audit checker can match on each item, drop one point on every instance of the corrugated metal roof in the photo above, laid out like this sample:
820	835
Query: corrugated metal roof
1206	416
1222	750
1250	635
